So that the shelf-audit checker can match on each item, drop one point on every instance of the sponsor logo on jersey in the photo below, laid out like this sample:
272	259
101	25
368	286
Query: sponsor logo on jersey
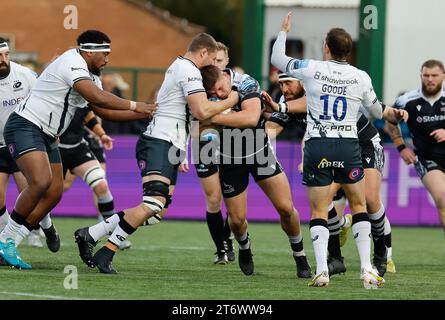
12	102
194	79
331	127
434	118
418	107
325	163
319	76
368	160
75	69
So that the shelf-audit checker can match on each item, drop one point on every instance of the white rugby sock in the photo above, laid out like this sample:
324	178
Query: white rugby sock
320	239
362	235
46	222
21	234
104	228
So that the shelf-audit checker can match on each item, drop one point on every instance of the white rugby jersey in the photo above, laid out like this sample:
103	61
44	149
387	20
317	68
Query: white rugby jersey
335	92
13	89
171	121
53	101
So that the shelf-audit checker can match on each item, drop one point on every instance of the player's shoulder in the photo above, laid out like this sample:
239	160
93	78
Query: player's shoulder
407	97
248	84
22	70
183	64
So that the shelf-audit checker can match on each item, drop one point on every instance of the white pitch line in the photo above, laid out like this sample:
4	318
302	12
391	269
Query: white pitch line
26	294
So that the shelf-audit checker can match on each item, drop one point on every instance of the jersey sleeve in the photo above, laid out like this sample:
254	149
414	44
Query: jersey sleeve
190	81
31	77
400	102
370	102
249	88
280	118
284	63
74	69
297	68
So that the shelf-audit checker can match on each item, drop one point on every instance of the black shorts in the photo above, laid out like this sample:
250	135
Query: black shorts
234	178
157	156
7	164
372	154
423	166
74	157
96	148
331	159
208	166
23	136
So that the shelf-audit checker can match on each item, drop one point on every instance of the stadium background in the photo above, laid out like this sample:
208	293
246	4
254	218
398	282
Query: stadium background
152	37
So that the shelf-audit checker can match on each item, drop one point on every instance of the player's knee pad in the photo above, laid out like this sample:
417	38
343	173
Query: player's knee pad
94	176
154	189
168	201
155	219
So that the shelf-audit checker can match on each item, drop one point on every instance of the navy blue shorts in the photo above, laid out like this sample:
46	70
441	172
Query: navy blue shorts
23	136
160	157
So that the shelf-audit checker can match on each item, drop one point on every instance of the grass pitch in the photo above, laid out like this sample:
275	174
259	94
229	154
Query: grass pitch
173	260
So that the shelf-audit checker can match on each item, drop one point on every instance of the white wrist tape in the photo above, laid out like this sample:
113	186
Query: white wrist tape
132	105
283	107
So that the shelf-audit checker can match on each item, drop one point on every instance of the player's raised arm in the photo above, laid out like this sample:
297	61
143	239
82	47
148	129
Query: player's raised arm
279	58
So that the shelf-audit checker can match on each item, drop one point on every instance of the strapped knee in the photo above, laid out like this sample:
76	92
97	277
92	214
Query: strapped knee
153	189
94	176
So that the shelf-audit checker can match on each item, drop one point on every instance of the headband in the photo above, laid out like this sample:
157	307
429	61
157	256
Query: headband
95	47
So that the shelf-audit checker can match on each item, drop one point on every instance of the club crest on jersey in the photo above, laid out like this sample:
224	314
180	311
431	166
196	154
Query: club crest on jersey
17	85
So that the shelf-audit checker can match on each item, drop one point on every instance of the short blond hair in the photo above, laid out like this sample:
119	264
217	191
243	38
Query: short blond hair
222	47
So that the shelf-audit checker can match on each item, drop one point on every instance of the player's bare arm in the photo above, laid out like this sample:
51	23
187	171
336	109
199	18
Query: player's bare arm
247	118
203	109
90	92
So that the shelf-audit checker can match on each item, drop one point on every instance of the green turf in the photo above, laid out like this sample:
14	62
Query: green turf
173	260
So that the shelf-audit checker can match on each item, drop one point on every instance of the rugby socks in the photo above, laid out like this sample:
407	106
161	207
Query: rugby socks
296	243
106	227
320	237
377	220
387	237
334	231
121	232
46	222
215	222
4	217
243	241
227	232
344	223
105	205
22	233
14	224
361	229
